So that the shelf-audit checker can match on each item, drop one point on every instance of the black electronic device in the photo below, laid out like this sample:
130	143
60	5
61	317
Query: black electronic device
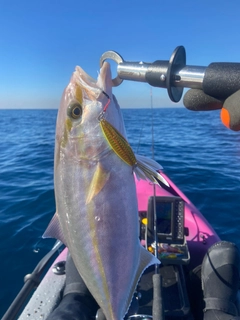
170	219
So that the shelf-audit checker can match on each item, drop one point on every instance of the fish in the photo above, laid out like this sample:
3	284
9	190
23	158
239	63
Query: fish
95	193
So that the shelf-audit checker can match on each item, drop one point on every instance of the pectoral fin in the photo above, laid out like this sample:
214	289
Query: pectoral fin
99	180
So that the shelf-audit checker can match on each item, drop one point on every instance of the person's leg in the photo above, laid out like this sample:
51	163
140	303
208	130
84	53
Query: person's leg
195	293
220	281
77	302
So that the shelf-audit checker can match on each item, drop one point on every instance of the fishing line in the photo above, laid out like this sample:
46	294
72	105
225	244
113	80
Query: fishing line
154	187
152	124
140	136
157	308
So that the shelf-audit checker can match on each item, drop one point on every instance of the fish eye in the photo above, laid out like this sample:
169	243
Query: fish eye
74	110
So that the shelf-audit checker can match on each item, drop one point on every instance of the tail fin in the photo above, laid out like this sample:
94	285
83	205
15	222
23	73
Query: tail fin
146	260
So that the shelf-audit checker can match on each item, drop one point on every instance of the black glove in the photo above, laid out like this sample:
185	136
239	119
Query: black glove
197	100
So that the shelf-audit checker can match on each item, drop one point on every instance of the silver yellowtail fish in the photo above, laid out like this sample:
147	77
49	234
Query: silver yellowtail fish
97	213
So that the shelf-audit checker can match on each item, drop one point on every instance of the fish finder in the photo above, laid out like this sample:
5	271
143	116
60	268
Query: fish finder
170	219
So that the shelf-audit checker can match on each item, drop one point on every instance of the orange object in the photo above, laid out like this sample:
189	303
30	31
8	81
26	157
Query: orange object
225	117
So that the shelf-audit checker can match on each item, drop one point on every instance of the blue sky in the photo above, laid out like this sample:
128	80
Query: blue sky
42	41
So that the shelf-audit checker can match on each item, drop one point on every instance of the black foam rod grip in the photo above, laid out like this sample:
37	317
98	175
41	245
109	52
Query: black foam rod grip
221	79
230	113
197	100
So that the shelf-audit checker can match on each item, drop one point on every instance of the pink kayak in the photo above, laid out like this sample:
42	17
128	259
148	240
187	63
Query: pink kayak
188	244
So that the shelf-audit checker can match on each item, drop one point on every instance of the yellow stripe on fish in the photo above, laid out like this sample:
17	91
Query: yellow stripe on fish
118	143
95	247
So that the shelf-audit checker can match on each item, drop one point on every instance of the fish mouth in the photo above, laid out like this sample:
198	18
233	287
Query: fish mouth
93	87
104	77
83	78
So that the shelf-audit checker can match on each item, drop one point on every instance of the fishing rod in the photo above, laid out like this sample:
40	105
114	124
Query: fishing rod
214	83
157	308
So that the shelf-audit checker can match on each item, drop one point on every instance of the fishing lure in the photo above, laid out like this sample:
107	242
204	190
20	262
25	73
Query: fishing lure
118	143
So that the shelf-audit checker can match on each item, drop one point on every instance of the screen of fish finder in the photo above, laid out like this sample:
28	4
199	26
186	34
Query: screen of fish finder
164	210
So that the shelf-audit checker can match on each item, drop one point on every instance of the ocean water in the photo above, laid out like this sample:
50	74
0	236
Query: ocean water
197	152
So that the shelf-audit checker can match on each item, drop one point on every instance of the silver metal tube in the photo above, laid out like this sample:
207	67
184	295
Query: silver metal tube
134	71
190	77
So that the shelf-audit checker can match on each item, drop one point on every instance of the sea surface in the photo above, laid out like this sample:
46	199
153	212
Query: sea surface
197	152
